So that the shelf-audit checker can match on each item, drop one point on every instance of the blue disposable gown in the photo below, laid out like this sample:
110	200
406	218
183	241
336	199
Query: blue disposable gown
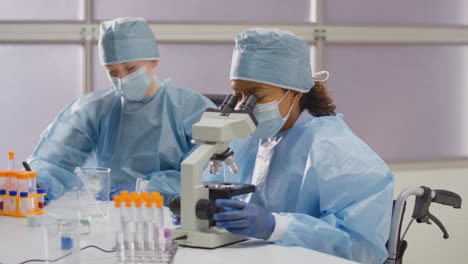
134	139
334	190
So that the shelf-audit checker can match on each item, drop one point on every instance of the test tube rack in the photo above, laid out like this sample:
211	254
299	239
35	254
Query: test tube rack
35	210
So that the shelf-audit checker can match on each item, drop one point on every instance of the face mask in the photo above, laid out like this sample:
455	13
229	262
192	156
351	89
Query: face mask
269	119
134	86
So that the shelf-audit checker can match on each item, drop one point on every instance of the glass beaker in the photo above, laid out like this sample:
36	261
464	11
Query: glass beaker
93	191
62	241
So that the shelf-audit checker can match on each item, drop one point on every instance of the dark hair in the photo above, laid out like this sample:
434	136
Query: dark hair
318	101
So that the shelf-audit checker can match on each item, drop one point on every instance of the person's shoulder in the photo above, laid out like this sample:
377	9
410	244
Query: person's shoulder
332	133
96	99
323	126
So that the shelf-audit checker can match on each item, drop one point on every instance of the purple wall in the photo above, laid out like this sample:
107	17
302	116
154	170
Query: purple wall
277	11
41	10
407	102
396	12
36	83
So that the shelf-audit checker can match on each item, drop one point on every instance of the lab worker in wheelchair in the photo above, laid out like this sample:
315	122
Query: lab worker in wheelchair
318	185
141	128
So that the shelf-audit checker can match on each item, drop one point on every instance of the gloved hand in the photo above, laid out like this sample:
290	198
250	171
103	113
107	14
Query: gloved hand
175	219
130	187
248	219
46	197
46	200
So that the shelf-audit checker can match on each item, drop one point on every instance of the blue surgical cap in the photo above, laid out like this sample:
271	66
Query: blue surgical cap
273	57
126	39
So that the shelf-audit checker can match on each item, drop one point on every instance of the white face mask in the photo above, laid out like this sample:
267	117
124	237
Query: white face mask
134	86
269	119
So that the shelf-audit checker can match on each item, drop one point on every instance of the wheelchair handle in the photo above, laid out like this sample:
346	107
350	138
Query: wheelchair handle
420	213
447	198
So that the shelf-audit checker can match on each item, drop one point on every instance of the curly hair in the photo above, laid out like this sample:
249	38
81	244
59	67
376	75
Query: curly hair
318	101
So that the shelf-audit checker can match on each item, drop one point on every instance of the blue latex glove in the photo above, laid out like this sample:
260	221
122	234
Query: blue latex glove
248	219
175	219
116	190
46	200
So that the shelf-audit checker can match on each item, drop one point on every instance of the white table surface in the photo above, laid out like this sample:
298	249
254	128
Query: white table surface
20	242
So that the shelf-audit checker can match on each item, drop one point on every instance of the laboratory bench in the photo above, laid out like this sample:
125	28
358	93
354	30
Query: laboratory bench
20	242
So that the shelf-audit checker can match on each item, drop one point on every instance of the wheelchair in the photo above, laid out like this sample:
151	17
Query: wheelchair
424	197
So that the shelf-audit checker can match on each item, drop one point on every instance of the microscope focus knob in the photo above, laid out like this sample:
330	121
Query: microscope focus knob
174	206
205	209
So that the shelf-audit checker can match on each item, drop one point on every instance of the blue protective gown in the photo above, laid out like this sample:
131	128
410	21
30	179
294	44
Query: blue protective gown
335	192
134	139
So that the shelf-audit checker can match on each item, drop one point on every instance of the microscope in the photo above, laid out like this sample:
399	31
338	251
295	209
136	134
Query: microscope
196	205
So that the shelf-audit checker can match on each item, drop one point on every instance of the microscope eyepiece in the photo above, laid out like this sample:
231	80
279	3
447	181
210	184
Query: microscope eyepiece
229	102
248	104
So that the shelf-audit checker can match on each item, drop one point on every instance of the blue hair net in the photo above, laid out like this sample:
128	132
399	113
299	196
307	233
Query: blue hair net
273	57
126	39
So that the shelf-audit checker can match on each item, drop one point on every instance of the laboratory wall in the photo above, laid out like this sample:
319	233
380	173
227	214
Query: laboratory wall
44	10
240	11
36	82
408	102
396	12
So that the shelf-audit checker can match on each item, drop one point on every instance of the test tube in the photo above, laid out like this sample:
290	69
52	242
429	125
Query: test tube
138	217
11	160
167	240
129	228
2	201
12	181
24	203
32	189
12	203
149	227
32	203
40	199
32	182
119	234
23	182
159	201
157	220
3	179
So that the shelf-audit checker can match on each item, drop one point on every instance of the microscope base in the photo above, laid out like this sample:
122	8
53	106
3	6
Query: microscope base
211	238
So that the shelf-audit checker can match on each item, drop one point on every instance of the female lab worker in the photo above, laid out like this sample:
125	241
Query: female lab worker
317	184
139	128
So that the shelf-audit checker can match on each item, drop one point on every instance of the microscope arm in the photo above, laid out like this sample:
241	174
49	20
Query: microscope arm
192	188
